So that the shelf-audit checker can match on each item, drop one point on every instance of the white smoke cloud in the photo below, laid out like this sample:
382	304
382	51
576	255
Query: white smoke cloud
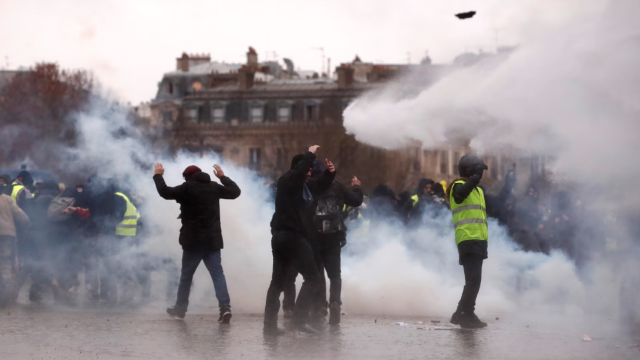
569	91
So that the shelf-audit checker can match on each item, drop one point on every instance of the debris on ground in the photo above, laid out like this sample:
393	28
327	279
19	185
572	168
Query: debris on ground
435	321
586	338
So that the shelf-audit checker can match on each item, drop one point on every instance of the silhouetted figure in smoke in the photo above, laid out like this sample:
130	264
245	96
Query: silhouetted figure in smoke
289	244
201	232
41	265
10	216
5	184
102	211
470	208
383	205
328	235
526	224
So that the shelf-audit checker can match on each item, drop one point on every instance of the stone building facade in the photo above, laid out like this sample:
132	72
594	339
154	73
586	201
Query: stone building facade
260	115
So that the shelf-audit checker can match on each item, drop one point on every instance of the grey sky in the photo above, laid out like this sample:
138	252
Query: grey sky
130	44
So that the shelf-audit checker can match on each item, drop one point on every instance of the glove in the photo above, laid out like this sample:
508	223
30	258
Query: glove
343	243
510	179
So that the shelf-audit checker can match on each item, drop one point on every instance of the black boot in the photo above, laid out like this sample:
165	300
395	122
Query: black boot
176	311
455	318
334	314
471	321
225	315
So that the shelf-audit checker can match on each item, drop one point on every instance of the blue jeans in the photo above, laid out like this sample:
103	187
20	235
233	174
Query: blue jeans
190	260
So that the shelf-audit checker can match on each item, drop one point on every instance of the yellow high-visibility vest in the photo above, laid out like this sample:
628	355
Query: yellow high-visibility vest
415	199
129	224
17	187
470	217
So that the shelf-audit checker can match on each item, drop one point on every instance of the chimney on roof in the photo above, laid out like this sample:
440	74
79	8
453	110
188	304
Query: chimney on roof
182	63
345	76
245	78
252	58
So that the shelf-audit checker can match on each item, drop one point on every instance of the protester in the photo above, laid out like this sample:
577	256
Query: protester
470	207
328	235
21	186
201	233
10	214
289	244
5	184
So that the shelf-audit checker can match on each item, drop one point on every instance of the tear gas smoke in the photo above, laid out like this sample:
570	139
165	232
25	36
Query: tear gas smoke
567	92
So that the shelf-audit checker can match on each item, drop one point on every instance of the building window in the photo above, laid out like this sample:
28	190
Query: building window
167	116
284	113
311	111
254	159
417	163
444	162
196	86
256	113
217	113
170	88
191	114
279	157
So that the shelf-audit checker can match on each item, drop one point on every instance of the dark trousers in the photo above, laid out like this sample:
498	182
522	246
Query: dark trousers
291	250
326	249
289	300
472	264
212	260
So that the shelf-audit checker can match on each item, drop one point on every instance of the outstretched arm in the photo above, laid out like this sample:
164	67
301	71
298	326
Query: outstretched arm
166	192
229	189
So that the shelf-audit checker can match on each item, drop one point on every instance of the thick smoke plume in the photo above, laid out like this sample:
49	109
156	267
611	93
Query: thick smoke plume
569	91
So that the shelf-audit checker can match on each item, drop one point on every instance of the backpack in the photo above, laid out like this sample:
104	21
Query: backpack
55	212
328	213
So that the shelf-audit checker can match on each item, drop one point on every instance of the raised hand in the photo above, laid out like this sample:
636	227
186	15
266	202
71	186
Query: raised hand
217	171
355	182
314	148
330	166
159	170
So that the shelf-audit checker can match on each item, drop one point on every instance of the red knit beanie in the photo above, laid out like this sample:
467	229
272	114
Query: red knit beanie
190	171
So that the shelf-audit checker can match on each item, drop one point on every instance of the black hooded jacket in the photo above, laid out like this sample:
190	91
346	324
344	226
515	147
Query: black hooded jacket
289	199
199	200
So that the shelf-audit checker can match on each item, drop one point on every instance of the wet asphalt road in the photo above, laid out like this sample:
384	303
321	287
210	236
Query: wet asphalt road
28	332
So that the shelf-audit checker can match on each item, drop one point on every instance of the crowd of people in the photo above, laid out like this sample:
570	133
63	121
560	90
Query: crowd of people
51	235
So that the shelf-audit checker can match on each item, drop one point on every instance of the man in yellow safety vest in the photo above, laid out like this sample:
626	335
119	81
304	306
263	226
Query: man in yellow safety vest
469	207
129	224
20	188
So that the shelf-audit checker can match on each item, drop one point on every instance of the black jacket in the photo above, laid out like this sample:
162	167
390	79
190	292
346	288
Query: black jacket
332	201
199	200
289	200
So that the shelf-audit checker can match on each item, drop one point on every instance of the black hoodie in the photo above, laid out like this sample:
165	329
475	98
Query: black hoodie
199	200
289	199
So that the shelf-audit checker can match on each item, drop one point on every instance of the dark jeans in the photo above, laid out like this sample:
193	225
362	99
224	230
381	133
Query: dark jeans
326	248
289	300
472	264
291	250
212	260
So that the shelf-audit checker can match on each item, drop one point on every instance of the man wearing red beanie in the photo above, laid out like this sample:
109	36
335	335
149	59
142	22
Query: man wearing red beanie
201	234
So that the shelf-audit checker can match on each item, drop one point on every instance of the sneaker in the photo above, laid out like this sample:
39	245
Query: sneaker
225	315
288	314
176	312
471	321
334	314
